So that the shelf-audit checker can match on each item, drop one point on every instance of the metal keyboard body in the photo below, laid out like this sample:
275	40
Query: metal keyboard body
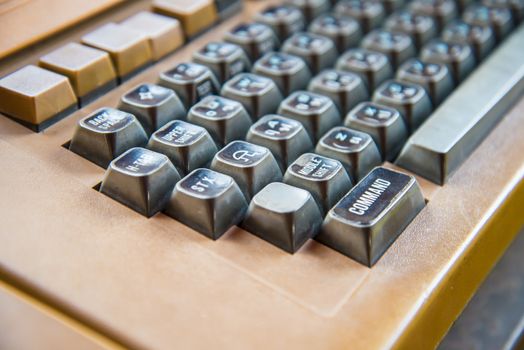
155	283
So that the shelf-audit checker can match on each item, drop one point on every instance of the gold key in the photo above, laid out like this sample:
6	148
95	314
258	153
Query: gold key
195	15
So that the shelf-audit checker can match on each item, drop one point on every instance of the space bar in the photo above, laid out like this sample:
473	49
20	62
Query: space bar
454	130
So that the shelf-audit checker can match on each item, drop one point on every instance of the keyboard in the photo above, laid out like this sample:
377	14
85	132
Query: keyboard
209	173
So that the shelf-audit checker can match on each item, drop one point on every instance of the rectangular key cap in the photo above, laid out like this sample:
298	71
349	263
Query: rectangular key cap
36	96
455	129
195	15
365	222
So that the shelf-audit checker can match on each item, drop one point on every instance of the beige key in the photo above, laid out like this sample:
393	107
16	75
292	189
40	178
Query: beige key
89	70
164	34
36	96
195	15
128	48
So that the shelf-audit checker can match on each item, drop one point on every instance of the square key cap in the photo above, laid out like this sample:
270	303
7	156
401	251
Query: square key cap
152	105
372	215
325	178
515	6
384	124
411	100
369	14
372	67
259	95
224	59
310	8
458	57
285	138
289	72
343	31
255	39
105	134
195	15
481	39
140	179
191	82
252	166
356	150
317	51
345	89
209	202
397	46
283	215
499	19
317	113
421	28
285	20
226	120
443	11
186	145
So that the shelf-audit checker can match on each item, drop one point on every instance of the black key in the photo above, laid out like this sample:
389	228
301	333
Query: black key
152	105
317	51
384	124
443	11
224	59
343	31
325	178
345	89
372	67
310	8
105	134
317	113
397	46
285	20
254	38
252	166
226	120
420	28
289	72
191	82
480	39
372	215
356	150
140	179
369	14
458	57
259	95
284	137
411	100
433	77
187	146
499	19
207	201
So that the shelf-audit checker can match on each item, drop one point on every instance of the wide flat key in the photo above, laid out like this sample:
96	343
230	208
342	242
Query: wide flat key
226	120
369	14
36	97
191	82
209	202
372	67
372	215
343	31
433	77
195	15
411	100
397	46
316	112
252	166
499	19
140	179
224	59
283	215
164	34
105	134
345	89
259	95
310	8
384	124
480	38
421	28
284	137
324	178
128	48
317	51
458	57
443	11
289	72
356	150
89	70
285	20
153	106
187	146
255	39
